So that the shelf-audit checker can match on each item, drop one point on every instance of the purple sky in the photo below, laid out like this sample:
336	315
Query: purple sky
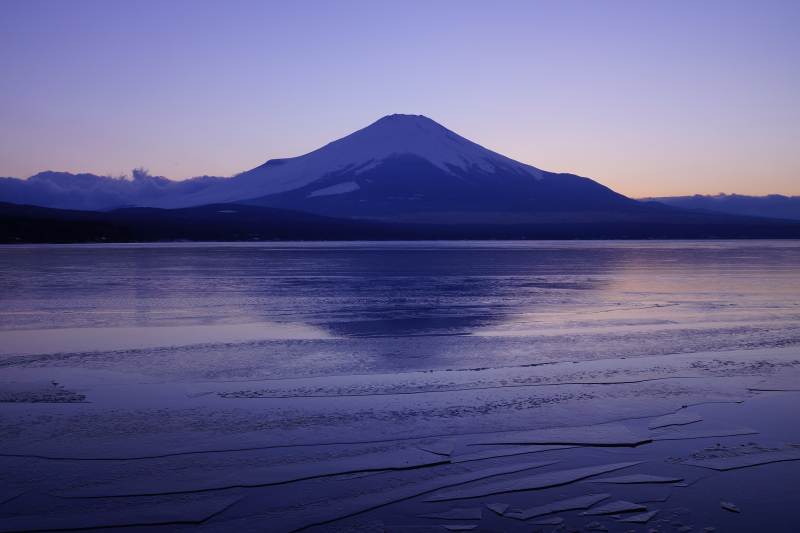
649	98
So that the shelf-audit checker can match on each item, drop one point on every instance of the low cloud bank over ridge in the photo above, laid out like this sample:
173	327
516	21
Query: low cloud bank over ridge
90	192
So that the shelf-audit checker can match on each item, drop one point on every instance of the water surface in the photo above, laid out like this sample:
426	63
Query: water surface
148	364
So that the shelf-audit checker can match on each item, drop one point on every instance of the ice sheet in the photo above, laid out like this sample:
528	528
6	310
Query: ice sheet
636	478
498	508
503	452
641	518
729	458
700	432
614	508
580	502
675	419
645	493
194	426
632	370
457	513
549	522
537	481
442	447
607	435
728	506
103	513
246	473
595	526
285	516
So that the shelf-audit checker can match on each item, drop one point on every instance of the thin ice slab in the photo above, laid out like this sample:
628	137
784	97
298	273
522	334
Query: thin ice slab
745	460
634	479
646	493
441	447
246	475
615	507
555	521
641	518
431	529
504	452
581	502
675	419
728	506
605	435
498	508
285	516
105	513
538	481
457	513
695	432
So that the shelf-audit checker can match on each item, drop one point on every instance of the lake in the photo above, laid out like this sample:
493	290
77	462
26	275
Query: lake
400	386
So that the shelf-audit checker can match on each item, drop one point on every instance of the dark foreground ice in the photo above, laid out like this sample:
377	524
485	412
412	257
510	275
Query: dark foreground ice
414	387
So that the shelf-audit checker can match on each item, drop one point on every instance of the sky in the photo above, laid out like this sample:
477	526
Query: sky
649	98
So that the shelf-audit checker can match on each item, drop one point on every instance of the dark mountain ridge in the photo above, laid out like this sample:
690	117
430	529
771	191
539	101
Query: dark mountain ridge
21	224
771	205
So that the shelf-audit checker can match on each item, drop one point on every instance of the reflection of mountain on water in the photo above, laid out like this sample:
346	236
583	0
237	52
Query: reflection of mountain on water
442	291
441	301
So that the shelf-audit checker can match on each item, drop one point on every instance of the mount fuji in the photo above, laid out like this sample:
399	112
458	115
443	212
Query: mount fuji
408	168
402	177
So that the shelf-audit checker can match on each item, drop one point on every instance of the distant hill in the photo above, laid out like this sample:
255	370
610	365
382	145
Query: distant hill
215	222
773	205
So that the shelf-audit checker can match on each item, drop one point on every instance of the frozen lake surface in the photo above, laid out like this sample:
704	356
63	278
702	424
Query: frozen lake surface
401	387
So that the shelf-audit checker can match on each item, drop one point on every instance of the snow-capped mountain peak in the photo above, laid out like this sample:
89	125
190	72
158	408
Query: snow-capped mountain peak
417	135
393	135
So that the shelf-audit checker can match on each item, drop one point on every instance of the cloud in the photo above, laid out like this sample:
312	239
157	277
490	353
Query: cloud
89	192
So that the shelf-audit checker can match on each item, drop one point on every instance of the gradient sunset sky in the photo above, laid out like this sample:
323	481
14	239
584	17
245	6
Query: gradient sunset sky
651	98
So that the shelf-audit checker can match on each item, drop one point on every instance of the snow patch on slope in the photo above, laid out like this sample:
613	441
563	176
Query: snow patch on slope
341	188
